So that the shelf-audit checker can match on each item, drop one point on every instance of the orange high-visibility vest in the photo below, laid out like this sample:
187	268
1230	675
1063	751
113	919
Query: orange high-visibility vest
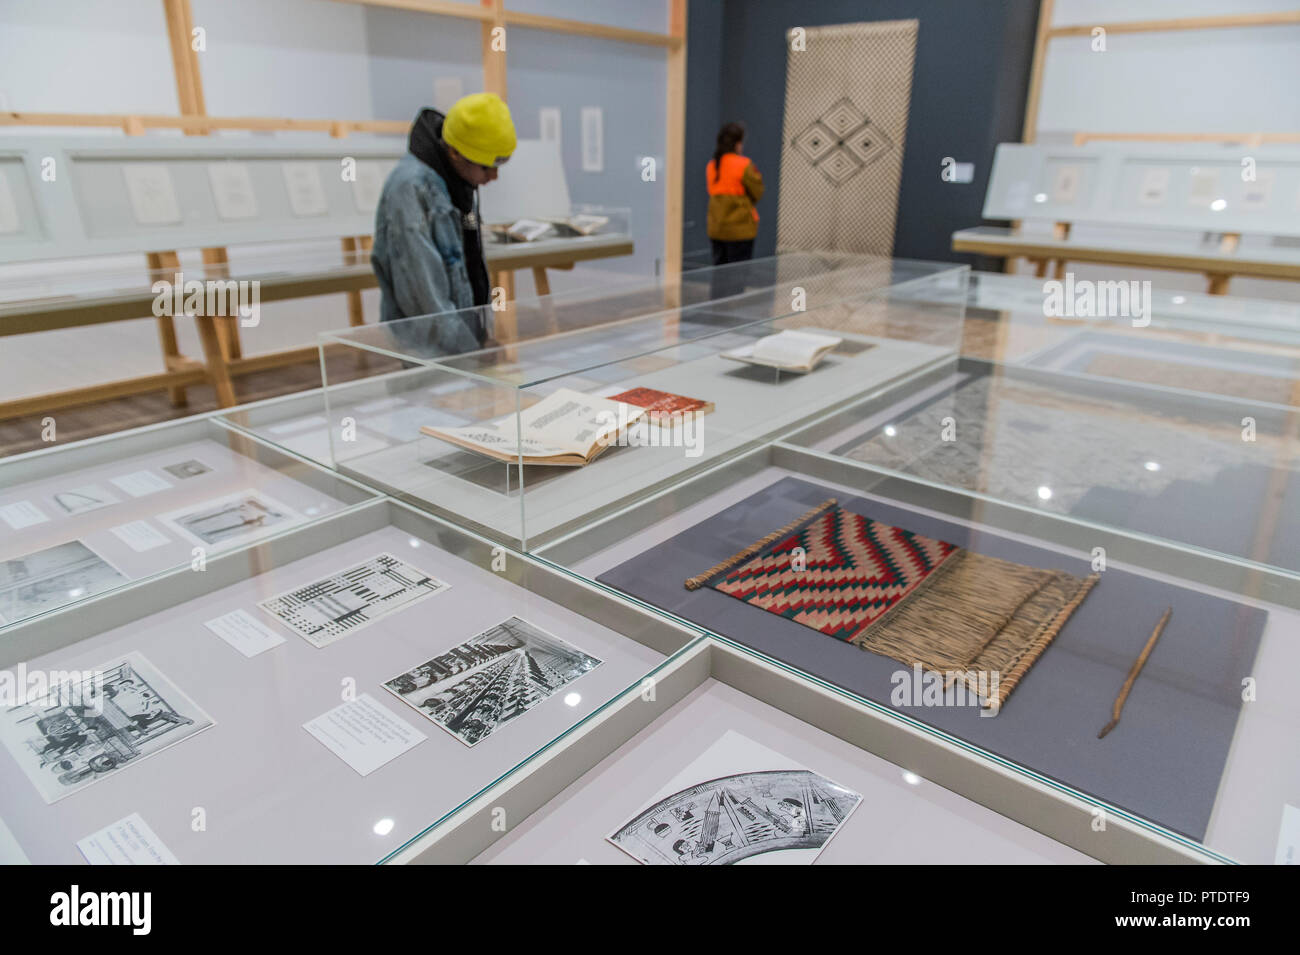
731	181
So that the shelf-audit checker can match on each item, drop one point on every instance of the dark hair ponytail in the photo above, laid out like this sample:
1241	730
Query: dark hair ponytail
728	137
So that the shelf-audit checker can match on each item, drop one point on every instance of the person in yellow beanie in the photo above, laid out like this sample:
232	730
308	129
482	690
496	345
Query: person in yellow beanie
428	245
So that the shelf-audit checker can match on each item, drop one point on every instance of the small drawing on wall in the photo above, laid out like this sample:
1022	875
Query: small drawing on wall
152	195
368	186
593	139
232	190
548	121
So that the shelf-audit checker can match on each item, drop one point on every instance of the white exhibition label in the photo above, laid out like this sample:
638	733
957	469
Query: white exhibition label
245	633
140	483
22	514
9	221
1257	193
1288	838
232	190
364	734
128	841
153	198
306	191
140	536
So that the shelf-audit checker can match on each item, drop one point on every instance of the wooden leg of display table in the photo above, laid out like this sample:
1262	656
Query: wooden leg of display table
214	356
1040	267
1218	283
540	280
166	265
217	266
1059	274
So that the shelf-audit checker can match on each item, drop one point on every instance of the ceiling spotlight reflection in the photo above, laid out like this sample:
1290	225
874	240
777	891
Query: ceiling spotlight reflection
1179	299
1044	492
414	542
384	826
1218	205
1152	465
1040	197
890	430
573	699
911	778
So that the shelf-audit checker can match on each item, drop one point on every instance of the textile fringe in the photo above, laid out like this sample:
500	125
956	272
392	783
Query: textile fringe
699	580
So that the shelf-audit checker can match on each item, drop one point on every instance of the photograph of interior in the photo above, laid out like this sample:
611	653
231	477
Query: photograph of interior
671	432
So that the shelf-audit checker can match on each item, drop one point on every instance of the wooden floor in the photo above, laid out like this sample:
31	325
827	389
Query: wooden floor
74	424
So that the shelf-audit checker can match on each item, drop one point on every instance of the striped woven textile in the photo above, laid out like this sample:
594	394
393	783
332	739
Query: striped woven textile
916	599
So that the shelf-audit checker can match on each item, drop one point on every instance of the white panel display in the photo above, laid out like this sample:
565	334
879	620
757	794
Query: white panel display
306	191
153	197
232	190
1203	188
548	121
9	221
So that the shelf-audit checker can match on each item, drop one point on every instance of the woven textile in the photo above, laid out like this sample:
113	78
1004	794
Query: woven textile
916	599
848	89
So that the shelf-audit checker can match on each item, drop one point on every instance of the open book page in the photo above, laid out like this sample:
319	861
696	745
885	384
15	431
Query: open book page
566	427
791	349
581	224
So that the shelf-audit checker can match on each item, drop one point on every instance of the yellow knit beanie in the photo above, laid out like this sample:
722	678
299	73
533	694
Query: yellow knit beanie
479	127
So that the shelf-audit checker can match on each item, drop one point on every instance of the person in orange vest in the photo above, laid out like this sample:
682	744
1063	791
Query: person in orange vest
734	187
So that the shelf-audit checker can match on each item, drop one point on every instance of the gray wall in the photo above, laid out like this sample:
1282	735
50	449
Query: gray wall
968	94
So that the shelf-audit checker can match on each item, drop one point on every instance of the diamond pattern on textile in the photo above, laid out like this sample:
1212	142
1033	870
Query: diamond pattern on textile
847	98
855	570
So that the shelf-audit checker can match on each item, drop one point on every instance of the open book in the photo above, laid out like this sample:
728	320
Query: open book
565	429
523	230
788	350
581	224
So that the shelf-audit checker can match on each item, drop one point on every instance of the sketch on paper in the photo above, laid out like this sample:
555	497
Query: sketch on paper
330	608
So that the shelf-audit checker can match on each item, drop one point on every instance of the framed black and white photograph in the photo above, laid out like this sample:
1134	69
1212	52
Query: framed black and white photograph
51	577
187	469
491	679
96	723
330	608
231	519
739	802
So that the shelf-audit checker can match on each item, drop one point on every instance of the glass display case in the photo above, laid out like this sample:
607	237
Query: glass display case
90	517
1085	580
527	441
324	696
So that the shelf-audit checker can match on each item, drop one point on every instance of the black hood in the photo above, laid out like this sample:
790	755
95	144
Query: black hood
426	145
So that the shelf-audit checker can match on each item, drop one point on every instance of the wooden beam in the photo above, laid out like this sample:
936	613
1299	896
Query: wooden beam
187	122
445	8
1225	22
494	61
185	62
1030	130
675	146
537	21
1081	138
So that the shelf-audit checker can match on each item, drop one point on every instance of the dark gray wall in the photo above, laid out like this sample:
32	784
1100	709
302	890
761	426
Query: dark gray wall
968	94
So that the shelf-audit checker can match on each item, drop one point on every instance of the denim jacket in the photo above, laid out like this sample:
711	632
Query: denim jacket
418	257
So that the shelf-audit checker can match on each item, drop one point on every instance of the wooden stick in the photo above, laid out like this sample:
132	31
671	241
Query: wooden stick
1133	673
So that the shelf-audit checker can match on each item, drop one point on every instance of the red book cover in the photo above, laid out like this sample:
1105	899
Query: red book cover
663	403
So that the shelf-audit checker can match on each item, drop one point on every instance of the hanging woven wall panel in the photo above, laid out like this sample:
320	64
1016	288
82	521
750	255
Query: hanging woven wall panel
918	600
847	94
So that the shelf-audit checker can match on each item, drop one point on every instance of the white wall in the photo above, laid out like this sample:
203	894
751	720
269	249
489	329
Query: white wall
1224	80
